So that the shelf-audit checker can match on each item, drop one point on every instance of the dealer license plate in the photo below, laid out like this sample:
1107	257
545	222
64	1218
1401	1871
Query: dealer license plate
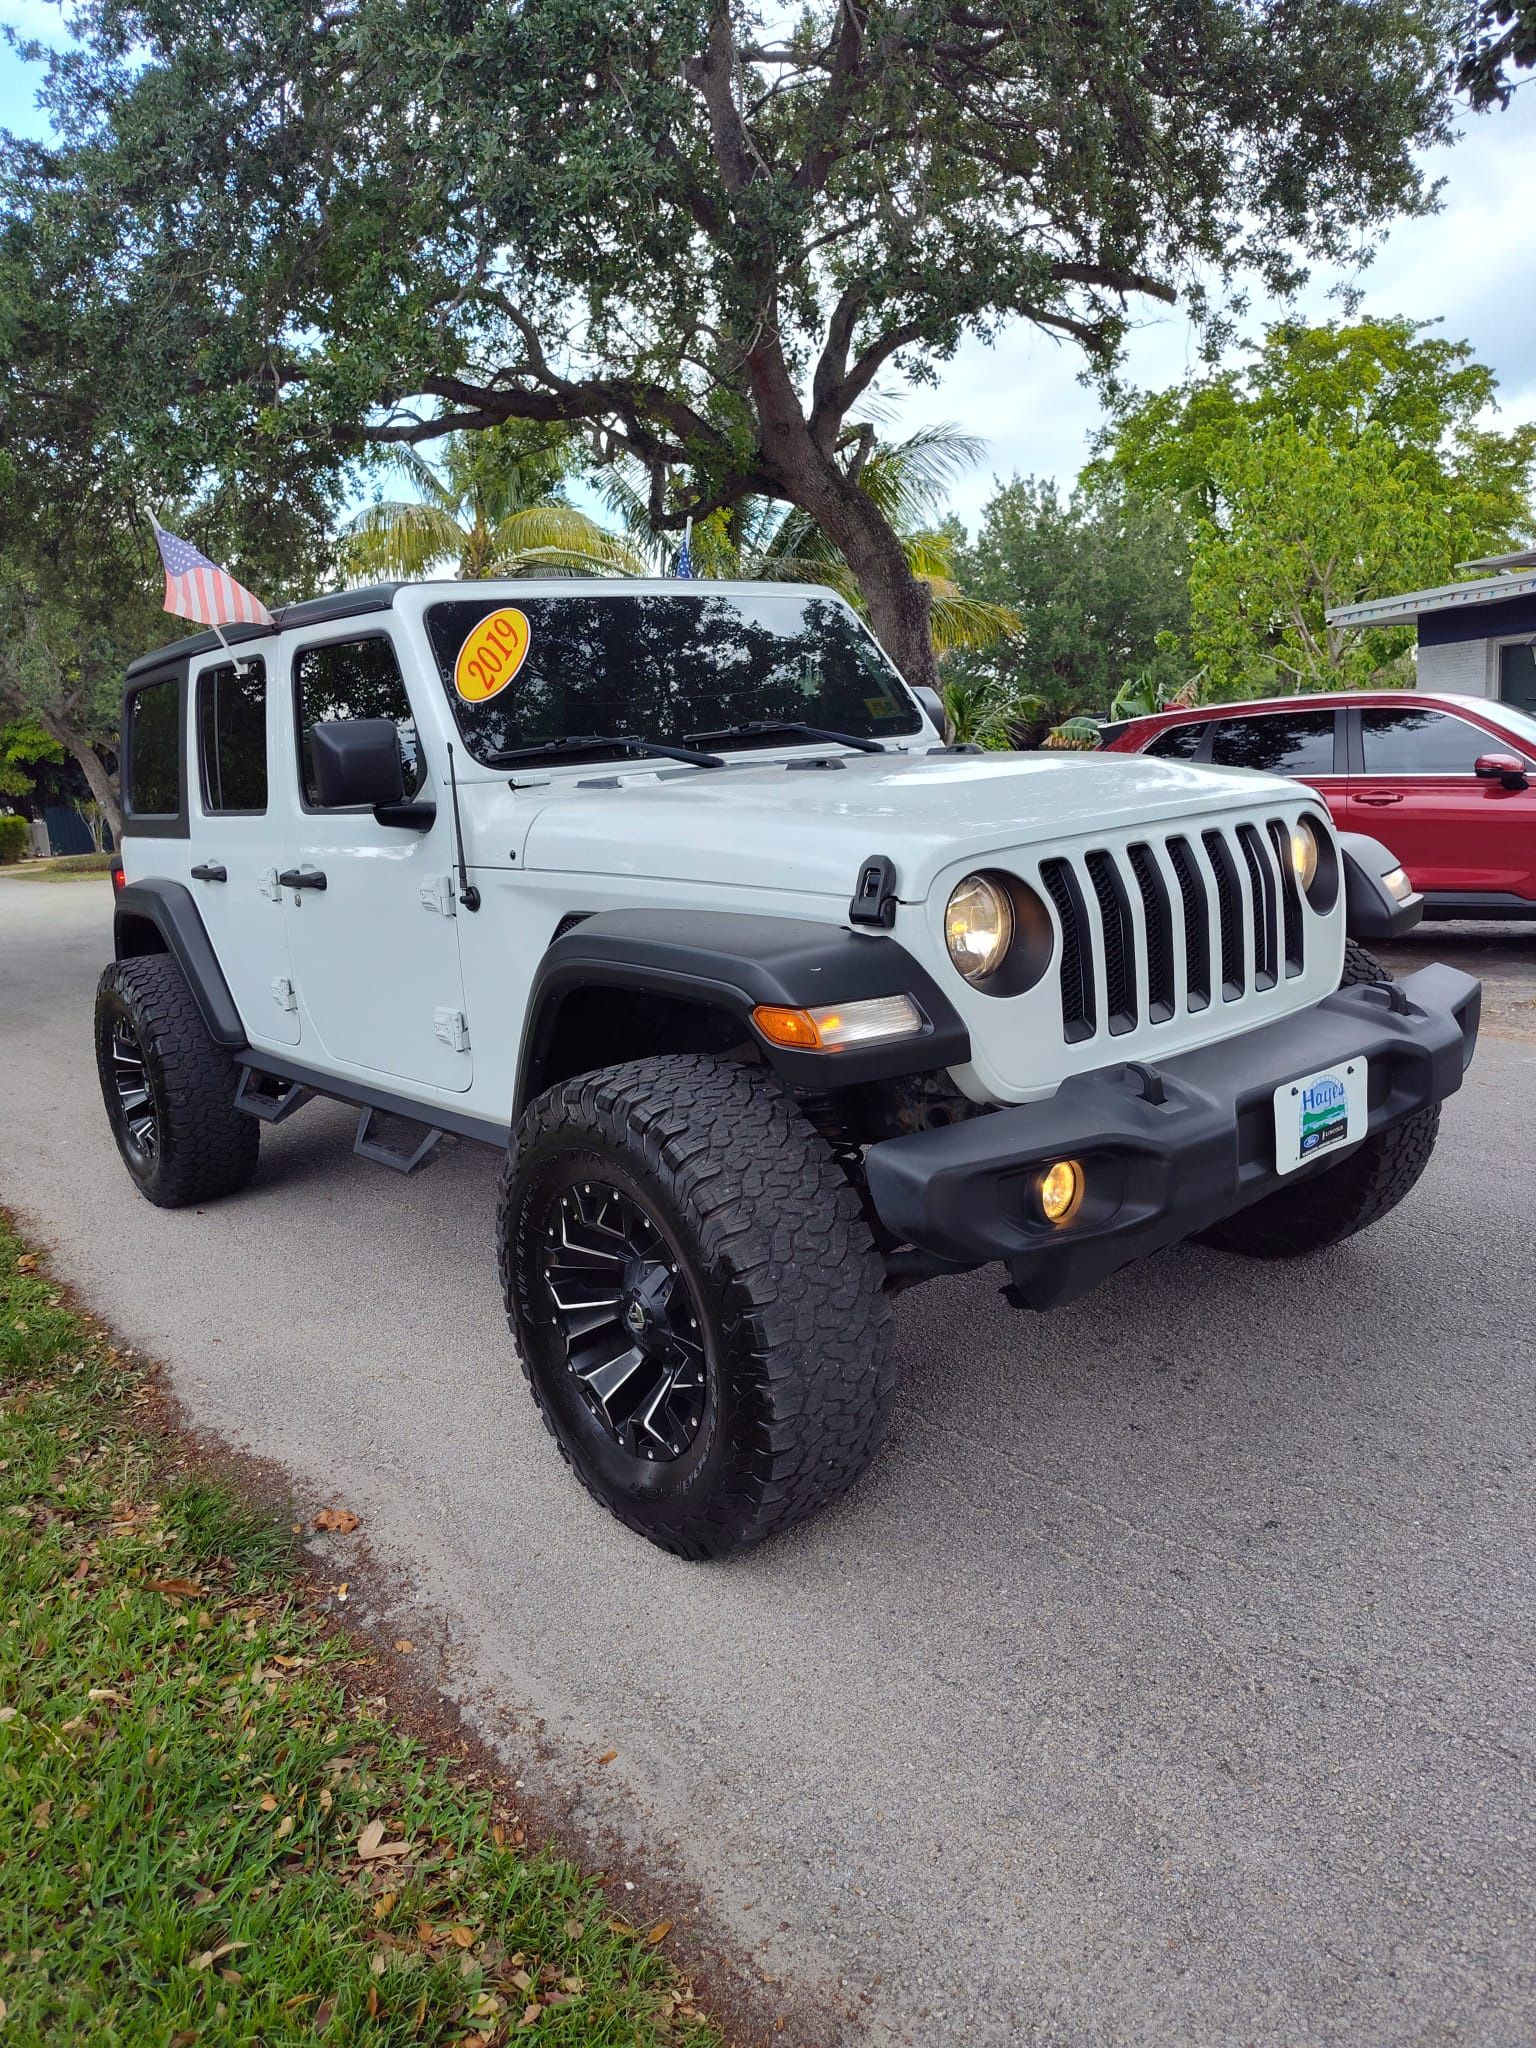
1320	1113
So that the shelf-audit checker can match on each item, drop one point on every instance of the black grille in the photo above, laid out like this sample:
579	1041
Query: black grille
1262	891
1079	1017
1290	895
1228	904
1197	930
1119	942
1158	920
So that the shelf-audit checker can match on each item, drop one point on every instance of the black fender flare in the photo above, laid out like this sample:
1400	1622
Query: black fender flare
734	961
1371	911
168	907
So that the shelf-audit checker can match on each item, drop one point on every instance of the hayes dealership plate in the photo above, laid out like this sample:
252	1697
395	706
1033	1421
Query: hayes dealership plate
1320	1113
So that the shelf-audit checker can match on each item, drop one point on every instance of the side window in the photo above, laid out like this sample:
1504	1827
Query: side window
354	679
154	749
1420	742
232	736
1279	742
1179	742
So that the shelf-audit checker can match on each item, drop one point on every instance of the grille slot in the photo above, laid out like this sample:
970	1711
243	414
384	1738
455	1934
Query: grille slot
1290	895
1119	942
1228	906
1079	1015
1262	889
1158	919
1197	927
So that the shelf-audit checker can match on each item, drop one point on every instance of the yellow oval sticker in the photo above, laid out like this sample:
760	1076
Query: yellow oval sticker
492	655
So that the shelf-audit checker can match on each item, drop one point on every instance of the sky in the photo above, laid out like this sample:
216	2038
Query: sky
1471	266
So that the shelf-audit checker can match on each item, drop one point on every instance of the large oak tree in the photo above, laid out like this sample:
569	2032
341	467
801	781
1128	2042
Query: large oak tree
703	229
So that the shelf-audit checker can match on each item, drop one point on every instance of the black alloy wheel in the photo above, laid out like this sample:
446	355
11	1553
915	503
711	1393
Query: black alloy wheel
627	1319
133	1104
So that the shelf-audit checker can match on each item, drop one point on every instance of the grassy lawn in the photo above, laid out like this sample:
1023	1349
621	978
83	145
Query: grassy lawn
69	867
204	1837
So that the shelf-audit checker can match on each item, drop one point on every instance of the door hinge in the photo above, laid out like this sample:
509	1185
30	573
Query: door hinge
271	887
438	894
283	993
452	1027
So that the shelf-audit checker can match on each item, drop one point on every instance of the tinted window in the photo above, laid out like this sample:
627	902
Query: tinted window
662	667
232	736
1180	742
1280	742
354	679
154	749
1421	742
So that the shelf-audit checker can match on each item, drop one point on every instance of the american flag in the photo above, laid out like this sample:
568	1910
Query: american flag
685	554
196	588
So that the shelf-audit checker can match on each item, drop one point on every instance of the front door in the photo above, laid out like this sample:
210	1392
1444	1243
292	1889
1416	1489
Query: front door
375	950
237	842
1413	787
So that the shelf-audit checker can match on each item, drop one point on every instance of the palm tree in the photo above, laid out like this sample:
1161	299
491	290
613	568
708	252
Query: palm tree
495	507
762	540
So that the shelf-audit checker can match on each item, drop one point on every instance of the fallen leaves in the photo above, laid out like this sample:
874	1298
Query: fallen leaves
658	1933
27	1263
608	1756
338	1521
372	1847
404	1645
175	1589
210	1956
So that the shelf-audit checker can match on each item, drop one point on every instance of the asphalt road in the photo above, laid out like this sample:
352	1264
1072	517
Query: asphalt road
1170	1680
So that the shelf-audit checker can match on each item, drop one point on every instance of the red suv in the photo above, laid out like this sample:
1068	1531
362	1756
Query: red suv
1445	782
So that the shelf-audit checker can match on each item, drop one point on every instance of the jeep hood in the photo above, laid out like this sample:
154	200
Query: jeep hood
786	825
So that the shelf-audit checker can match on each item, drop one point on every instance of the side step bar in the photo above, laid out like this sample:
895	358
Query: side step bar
269	1097
416	1146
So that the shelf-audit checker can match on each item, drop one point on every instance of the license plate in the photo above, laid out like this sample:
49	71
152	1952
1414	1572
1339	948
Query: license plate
1320	1113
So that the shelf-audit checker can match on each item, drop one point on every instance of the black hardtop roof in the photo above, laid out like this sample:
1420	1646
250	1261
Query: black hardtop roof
310	611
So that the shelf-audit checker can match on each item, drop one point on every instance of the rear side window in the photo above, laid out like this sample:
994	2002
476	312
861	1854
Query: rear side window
1420	742
154	749
354	679
1279	742
1179	742
232	736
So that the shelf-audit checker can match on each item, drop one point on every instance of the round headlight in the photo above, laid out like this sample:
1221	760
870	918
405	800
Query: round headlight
978	927
1304	852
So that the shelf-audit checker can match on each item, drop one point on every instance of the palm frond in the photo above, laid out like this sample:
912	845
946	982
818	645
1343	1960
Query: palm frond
957	622
400	538
542	532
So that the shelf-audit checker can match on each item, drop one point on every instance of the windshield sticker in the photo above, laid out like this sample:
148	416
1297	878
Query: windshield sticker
492	655
882	707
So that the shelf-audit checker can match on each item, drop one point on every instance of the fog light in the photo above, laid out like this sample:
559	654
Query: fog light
1061	1189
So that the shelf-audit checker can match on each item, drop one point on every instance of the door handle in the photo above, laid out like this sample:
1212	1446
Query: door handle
210	871
1380	797
302	878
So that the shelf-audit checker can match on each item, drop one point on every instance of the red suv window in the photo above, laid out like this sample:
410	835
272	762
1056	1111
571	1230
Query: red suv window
1180	742
1280	742
1420	742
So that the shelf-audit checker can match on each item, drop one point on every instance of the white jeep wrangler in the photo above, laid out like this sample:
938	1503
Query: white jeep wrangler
775	1003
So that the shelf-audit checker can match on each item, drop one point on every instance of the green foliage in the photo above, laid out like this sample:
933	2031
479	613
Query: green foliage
1074	735
1501	39
1341	462
492	505
1098	583
13	838
187	1785
702	235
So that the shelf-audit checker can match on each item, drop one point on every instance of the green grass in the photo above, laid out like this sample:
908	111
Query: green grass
68	867
186	1786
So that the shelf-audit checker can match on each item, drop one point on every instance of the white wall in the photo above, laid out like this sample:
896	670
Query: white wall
1467	667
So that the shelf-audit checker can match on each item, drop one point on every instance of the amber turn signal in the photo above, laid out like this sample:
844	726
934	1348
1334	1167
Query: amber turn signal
836	1026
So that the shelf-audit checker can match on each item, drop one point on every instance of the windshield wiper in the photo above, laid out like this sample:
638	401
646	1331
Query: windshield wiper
758	728
584	742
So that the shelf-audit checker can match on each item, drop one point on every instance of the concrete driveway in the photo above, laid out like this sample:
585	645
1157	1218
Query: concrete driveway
1170	1680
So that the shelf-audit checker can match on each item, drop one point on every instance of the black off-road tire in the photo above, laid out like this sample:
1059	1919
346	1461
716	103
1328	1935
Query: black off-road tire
771	1245
1324	1208
203	1147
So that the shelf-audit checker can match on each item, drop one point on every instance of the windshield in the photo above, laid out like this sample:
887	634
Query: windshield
660	667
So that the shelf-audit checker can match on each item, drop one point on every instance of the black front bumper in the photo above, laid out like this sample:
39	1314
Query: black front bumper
1167	1150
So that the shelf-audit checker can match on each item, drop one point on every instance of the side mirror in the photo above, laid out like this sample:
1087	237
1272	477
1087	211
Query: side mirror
933	704
356	761
1507	769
